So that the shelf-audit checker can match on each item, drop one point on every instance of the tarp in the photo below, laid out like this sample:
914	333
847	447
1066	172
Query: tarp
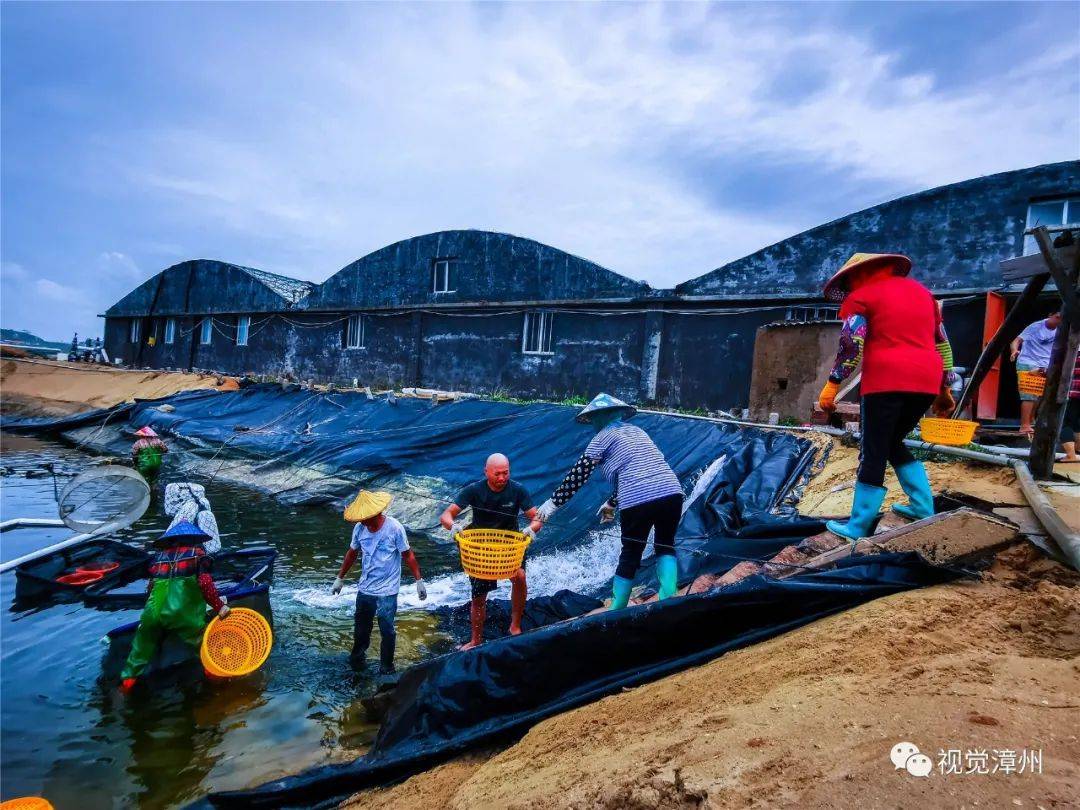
447	705
313	447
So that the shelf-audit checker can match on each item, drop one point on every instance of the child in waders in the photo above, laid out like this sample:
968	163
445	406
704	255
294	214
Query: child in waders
180	589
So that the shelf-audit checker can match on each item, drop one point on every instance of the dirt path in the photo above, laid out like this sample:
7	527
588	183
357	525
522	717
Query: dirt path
47	388
808	719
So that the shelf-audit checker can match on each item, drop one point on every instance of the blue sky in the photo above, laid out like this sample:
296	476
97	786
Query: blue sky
658	140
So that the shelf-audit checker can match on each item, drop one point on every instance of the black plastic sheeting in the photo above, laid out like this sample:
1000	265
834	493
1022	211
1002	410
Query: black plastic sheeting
458	701
367	441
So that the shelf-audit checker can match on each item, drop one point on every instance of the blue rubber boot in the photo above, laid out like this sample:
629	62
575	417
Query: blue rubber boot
916	486
620	592
864	510
667	571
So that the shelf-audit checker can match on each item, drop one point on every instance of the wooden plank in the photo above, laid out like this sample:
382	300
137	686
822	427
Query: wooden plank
1023	267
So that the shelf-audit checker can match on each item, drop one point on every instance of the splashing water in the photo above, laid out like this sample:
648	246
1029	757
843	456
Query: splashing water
585	569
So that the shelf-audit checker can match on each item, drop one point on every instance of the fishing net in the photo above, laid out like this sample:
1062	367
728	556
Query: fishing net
104	499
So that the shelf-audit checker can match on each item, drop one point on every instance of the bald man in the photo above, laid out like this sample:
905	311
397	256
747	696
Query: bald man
496	501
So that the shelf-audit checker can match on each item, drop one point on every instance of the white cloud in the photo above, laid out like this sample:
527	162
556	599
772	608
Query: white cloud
60	293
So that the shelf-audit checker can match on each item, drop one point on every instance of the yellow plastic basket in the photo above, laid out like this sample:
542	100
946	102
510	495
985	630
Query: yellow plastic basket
1030	382
26	803
947	431
491	553
237	645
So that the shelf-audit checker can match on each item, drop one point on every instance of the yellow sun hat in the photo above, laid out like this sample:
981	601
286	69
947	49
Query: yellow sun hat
836	287
367	505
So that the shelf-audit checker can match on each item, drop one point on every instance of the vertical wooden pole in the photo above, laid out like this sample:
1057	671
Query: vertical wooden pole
1052	405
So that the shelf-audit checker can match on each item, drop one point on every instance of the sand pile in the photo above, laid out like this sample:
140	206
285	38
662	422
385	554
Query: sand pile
830	491
45	388
809	718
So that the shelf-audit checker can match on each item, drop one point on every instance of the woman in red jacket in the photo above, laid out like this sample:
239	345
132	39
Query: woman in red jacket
893	324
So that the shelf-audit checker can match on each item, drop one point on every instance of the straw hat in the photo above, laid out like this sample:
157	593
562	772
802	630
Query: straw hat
604	402
147	431
367	505
836	287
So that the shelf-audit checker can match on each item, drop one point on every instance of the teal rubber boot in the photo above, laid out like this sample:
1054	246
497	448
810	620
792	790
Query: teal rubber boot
864	510
916	486
620	592
667	571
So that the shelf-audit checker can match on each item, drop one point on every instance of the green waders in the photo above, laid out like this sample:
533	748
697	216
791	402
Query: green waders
148	461
174	606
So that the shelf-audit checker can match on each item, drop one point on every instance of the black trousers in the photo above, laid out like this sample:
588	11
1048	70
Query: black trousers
663	516
1070	422
887	419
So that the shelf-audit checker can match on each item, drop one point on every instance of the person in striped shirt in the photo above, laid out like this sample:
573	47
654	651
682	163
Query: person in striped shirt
646	492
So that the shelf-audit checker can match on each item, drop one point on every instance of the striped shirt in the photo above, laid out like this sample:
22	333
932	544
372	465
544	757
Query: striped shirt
633	464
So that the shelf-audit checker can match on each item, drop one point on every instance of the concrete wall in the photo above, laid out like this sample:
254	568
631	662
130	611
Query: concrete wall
955	236
485	267
791	363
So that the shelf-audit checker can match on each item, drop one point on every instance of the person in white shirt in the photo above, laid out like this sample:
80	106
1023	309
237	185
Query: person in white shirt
1031	352
384	545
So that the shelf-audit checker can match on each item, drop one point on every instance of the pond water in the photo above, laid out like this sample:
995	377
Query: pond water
72	738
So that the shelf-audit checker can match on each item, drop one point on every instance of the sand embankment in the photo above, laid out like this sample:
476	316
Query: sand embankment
808	719
49	388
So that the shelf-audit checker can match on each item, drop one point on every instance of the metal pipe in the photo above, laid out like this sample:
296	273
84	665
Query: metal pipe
959	452
18	523
41	552
1067	539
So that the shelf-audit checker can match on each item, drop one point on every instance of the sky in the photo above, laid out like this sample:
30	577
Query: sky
659	140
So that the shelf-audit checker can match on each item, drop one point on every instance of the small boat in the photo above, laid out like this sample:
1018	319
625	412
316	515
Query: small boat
173	653
65	574
231	571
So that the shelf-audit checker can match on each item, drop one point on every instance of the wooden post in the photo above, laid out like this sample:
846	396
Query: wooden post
1012	326
1052	405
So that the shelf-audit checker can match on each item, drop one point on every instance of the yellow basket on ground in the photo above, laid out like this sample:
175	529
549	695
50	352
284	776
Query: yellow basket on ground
947	431
491	553
26	803
237	645
1031	382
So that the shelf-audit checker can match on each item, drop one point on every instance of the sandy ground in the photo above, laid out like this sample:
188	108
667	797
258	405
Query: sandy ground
831	490
48	388
808	719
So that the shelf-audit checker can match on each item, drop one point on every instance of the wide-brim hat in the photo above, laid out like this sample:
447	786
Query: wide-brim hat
367	505
604	402
146	431
837	286
185	529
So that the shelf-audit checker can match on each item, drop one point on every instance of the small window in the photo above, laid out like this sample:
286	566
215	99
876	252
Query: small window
441	281
134	330
170	330
1050	213
818	313
537	339
243	325
354	332
206	331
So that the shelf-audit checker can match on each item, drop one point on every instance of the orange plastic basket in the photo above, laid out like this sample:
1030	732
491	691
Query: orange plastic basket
237	645
491	553
26	803
947	431
1030	382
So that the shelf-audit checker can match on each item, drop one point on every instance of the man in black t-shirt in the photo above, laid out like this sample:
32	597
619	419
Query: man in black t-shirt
496	501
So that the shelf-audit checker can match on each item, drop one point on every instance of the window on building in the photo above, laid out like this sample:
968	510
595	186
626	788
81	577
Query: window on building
1050	213
243	325
812	313
442	282
170	330
206	331
134	330
537	339
354	332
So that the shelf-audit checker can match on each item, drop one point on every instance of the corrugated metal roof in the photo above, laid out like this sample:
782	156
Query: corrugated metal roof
291	289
